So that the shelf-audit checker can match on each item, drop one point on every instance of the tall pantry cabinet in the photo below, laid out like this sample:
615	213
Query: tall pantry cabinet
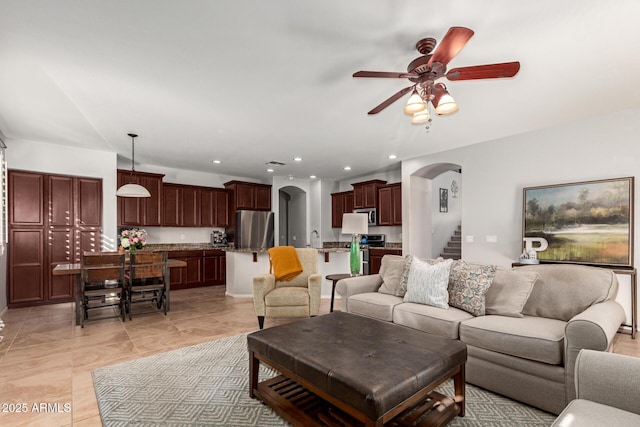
52	219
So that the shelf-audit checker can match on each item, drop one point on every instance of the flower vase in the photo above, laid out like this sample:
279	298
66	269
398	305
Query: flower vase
132	249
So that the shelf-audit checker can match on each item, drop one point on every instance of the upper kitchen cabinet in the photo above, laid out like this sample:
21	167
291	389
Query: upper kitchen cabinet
195	206
390	204
340	203
214	211
190	206
365	194
249	196
145	211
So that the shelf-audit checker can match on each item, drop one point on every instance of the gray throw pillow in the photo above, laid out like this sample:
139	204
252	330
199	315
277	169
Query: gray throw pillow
391	271
509	292
427	283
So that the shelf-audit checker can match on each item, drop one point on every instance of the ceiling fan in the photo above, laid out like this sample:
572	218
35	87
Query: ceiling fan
425	70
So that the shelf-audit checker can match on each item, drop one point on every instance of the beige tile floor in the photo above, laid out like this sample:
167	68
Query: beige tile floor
45	360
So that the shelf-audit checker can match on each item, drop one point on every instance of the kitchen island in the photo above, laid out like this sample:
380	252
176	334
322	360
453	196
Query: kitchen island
244	264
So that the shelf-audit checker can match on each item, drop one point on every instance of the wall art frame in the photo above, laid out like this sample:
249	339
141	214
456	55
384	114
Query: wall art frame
444	200
588	222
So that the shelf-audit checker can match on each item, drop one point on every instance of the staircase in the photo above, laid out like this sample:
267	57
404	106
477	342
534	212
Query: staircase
454	246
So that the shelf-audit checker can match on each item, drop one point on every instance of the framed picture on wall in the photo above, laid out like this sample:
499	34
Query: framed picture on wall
444	200
588	222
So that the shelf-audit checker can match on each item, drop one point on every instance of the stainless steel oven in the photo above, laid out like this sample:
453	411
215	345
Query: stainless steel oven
370	241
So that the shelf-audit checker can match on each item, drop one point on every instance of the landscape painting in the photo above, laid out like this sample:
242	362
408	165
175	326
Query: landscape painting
584	222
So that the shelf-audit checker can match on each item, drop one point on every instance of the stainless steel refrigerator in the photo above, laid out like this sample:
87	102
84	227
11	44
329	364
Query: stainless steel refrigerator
254	230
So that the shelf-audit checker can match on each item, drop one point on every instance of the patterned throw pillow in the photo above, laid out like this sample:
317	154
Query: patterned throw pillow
402	289
427	283
468	284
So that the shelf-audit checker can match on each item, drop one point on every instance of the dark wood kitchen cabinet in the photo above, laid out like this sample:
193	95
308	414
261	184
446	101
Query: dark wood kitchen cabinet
214	207
248	195
190	206
37	242
145	211
189	276
204	268
214	265
375	258
390	204
340	203
195	206
365	194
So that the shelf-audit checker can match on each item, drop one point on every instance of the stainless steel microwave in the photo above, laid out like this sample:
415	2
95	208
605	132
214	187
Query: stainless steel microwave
372	215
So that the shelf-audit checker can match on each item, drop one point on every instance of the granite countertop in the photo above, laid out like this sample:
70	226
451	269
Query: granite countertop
248	250
230	248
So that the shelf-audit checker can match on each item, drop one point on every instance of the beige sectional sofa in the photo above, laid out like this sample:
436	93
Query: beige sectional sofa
524	343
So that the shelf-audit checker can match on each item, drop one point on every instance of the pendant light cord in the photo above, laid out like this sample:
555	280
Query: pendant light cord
133	152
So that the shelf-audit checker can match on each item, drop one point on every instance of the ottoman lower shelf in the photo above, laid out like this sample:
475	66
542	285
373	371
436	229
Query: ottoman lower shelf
299	406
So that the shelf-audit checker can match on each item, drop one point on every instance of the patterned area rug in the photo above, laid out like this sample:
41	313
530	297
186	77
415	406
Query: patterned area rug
207	385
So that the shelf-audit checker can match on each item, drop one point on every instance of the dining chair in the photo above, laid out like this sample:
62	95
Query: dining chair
147	280
102	283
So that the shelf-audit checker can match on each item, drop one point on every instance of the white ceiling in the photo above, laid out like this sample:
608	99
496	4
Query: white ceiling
251	81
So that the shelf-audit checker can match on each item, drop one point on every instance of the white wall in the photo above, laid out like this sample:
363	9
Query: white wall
496	172
443	224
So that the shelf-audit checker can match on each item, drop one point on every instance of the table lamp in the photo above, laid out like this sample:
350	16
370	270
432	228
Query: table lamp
355	224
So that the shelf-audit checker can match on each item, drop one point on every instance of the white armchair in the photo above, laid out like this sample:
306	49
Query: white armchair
299	297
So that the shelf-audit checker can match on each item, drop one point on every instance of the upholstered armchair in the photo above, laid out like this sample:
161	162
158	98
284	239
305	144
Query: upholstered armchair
299	297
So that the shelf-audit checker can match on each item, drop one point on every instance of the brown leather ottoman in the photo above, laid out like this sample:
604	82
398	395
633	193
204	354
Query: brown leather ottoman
358	371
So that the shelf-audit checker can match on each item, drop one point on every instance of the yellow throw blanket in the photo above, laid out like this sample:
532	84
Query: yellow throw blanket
285	264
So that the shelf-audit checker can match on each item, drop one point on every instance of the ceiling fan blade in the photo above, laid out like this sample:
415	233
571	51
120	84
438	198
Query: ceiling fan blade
489	71
384	74
393	98
451	44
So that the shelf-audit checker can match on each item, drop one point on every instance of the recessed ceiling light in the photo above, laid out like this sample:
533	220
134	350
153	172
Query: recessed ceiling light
312	177
217	162
269	170
297	159
347	168
392	156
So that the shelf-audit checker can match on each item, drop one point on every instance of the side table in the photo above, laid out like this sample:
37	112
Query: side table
335	278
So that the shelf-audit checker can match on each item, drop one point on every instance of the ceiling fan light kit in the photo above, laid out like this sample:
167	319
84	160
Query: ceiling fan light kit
425	70
132	190
415	104
421	117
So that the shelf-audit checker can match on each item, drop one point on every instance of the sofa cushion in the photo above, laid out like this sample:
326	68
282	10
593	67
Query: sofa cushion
287	296
445	323
374	304
533	338
391	270
427	283
509	292
563	291
468	284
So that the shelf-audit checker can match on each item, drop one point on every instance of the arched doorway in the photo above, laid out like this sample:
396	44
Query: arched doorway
435	215
292	218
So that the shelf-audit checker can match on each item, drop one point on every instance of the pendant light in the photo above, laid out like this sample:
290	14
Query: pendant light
132	190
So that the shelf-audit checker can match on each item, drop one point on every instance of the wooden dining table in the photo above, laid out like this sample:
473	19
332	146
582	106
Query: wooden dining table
74	269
